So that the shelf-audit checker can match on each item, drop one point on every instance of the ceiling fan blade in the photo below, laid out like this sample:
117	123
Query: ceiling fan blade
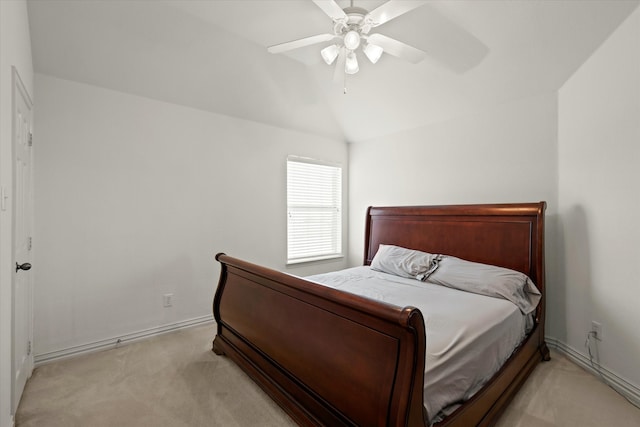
331	8
446	42
295	44
397	48
391	9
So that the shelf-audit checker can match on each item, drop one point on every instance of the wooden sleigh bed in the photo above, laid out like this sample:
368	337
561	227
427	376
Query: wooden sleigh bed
333	358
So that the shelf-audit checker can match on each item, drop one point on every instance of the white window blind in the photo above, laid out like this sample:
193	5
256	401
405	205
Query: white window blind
314	210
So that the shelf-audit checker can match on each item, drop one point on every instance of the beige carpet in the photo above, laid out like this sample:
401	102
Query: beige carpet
175	380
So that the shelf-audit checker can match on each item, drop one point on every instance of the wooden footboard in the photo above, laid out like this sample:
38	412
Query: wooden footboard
327	357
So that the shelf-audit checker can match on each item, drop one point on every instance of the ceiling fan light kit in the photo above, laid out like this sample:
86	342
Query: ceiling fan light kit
351	27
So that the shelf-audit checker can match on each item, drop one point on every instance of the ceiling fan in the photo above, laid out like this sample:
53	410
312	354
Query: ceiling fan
351	30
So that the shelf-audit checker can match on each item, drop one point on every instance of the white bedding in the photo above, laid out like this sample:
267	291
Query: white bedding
468	336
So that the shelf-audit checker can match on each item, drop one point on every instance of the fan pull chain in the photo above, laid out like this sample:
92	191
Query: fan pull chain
344	85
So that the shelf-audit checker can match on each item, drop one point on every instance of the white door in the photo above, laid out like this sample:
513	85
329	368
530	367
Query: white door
23	208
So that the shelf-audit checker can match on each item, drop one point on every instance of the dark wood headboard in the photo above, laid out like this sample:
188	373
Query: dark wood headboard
507	235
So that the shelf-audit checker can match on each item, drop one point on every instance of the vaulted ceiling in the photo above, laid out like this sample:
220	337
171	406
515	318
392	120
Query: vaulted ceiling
211	55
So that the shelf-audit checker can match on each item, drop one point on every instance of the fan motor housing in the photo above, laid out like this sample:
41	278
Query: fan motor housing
355	19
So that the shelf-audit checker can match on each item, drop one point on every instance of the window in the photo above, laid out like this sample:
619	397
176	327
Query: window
314	210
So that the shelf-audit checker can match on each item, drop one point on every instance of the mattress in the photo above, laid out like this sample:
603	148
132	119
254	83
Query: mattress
468	336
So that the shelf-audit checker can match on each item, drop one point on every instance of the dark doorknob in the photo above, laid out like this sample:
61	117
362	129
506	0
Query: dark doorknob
26	266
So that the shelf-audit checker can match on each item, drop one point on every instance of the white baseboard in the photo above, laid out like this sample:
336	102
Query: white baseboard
626	389
40	359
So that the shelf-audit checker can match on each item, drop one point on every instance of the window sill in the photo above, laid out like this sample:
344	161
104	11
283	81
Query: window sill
300	261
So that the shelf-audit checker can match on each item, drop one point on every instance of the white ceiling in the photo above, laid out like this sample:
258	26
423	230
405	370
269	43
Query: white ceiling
211	55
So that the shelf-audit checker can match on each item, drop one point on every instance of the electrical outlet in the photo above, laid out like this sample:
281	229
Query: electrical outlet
596	328
167	300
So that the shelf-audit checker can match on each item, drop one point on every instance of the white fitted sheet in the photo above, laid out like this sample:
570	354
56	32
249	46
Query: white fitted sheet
468	336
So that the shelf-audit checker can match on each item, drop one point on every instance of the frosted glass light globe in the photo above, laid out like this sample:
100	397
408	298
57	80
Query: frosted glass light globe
351	64
330	53
352	40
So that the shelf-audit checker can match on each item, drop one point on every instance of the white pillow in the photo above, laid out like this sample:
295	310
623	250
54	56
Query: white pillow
402	262
485	279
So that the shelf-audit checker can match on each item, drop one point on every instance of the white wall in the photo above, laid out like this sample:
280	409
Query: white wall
503	154
599	190
15	51
134	197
